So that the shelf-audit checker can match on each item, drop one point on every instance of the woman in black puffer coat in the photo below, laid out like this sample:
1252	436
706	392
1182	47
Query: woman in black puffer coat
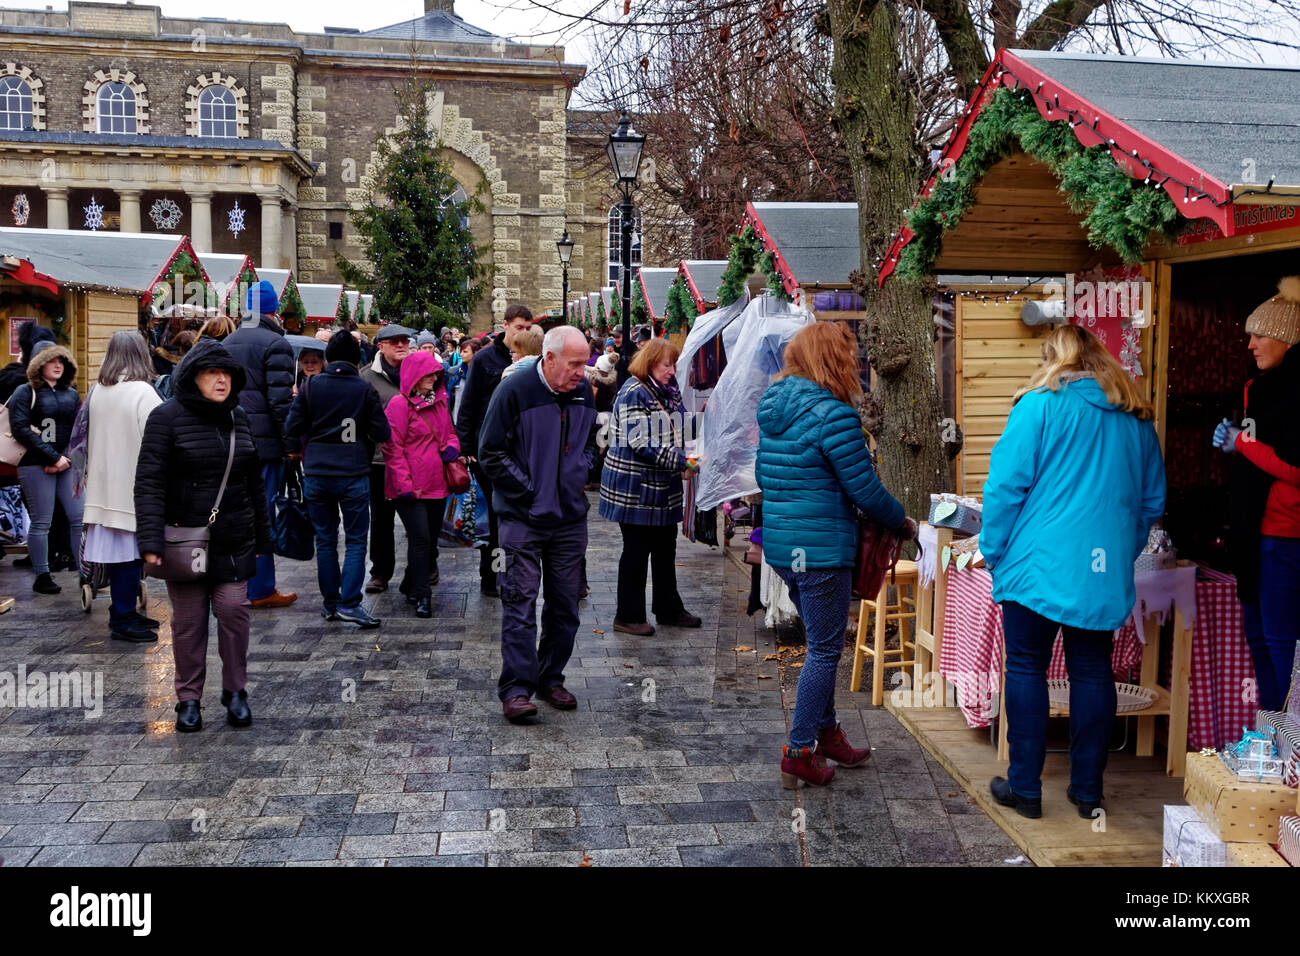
41	415
182	458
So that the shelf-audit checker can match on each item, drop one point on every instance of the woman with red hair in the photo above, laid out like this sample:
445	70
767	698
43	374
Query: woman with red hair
814	469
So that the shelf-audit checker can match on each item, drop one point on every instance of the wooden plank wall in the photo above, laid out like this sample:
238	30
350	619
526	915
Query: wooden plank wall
996	354
99	316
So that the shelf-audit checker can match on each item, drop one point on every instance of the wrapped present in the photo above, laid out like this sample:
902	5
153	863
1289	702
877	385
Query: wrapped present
1253	854
1254	756
1288	838
1239	811
1189	842
1286	735
956	512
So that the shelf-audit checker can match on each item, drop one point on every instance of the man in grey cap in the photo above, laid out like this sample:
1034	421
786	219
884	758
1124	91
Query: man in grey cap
392	344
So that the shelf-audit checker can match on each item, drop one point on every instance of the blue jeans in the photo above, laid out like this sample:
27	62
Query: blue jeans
123	589
40	490
823	601
549	559
326	496
262	584
1273	625
1030	637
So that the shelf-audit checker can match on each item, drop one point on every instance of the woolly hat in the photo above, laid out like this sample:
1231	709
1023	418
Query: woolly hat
609	343
343	347
426	338
606	363
1279	317
262	299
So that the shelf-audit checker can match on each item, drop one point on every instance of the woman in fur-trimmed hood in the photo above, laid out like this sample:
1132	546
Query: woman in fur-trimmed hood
41	415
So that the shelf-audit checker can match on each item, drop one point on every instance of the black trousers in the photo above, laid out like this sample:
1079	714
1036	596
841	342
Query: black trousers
655	545
422	519
487	555
382	549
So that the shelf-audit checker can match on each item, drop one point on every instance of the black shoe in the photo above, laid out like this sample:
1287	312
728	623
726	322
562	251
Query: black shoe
330	613
24	562
62	562
145	621
1002	793
188	719
424	608
44	584
236	704
1087	808
412	600
358	616
488	588
133	632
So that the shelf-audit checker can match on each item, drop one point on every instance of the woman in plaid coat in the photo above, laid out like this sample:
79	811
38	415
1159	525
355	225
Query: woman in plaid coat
641	488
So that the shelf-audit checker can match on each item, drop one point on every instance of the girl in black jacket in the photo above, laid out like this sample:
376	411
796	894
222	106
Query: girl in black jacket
182	458
41	416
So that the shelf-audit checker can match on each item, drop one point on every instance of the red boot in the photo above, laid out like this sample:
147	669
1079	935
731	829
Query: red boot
834	745
806	764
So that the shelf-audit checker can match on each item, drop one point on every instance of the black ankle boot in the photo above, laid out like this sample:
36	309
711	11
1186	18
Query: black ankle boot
424	607
188	719
44	584
1003	794
236	704
1087	808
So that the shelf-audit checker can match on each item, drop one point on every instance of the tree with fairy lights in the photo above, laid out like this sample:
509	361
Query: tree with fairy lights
420	257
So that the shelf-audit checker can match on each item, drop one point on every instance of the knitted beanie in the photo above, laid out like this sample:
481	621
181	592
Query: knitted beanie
1279	317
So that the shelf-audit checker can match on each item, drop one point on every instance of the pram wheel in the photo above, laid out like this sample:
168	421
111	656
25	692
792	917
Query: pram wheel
87	597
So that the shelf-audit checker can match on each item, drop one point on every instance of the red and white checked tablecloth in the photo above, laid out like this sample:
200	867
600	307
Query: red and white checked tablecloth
1223	697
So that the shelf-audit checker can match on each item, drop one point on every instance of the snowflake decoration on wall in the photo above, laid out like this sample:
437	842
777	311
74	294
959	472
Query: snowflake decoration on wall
166	215
22	209
237	219
94	215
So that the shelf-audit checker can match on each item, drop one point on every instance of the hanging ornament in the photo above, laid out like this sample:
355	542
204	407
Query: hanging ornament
22	209
237	219
94	215
166	215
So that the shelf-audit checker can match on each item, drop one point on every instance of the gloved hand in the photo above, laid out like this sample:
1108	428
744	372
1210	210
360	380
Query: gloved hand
1225	437
450	454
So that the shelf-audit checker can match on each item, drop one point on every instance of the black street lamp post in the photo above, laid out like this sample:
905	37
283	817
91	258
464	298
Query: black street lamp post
564	247
625	156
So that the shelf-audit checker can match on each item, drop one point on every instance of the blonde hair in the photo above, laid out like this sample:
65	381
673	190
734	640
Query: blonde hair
528	342
218	327
1072	349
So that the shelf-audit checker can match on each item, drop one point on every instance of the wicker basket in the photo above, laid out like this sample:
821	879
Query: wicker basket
1129	697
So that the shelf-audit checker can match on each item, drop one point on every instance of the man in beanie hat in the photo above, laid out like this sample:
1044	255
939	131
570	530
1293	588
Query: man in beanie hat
1264	509
341	422
426	341
392	345
259	346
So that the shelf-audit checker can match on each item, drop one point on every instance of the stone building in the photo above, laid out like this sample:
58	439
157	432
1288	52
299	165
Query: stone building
252	138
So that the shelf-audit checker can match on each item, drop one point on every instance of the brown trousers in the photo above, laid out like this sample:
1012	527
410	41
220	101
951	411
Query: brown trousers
190	603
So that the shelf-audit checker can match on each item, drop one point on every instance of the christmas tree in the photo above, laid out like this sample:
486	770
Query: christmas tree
421	255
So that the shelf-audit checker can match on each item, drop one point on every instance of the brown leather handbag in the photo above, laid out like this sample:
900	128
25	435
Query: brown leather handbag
878	551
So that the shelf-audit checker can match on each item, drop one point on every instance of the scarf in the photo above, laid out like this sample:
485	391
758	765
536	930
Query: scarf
1270	401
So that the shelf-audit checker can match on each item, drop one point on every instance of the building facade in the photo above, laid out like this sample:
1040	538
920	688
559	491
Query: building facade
252	138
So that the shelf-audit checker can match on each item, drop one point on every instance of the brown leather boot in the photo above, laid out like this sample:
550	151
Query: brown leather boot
806	764
834	745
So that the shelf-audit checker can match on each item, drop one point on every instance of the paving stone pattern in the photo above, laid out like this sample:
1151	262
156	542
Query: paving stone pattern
373	748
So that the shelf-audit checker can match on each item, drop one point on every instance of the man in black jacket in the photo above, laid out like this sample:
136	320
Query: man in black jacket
537	444
259	346
384	374
482	380
339	417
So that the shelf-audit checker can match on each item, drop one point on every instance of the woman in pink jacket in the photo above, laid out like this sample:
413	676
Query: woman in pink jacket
423	440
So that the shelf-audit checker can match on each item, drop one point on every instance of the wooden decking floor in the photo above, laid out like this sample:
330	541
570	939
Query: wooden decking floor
1136	791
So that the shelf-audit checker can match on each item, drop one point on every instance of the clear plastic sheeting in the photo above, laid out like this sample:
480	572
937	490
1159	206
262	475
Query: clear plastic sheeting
707	327
728	444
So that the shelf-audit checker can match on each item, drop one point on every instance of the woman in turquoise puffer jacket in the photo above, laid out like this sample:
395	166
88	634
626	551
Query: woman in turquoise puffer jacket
1075	483
813	467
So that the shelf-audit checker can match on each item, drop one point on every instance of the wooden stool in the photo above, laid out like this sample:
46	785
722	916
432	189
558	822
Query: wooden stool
905	581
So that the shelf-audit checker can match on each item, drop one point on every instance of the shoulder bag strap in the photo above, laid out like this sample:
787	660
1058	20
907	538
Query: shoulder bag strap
230	460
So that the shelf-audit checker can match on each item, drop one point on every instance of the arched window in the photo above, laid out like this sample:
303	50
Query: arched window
115	104
458	195
218	113
616	244
15	103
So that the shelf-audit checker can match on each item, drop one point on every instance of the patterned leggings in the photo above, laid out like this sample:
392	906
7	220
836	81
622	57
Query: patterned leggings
823	601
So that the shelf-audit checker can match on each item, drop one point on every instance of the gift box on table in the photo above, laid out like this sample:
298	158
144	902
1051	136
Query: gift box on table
1286	729
1253	854
1238	811
1288	838
1188	841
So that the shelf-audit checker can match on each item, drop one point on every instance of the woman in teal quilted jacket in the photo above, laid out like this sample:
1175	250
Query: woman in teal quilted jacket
814	468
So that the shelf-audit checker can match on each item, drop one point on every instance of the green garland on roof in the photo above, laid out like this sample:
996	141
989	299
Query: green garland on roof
640	311
1119	212
341	313
601	319
616	310
359	313
680	312
747	254
291	301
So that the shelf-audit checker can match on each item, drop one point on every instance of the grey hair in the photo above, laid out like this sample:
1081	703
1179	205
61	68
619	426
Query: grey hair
555	340
126	359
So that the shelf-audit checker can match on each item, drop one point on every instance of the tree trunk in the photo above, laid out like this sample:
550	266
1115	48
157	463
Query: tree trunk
876	115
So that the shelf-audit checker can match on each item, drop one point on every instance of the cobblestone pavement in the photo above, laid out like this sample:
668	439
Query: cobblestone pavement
388	747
